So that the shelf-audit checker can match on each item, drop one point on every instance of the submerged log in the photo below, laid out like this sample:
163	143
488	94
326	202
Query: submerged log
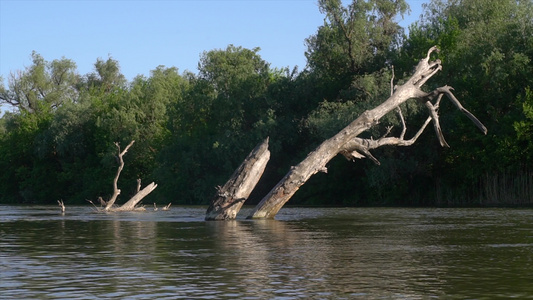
132	203
230	198
167	207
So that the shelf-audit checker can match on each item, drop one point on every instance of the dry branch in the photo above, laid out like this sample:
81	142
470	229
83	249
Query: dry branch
116	190
346	142
140	194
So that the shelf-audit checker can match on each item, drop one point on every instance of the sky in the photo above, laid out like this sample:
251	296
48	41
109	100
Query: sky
142	35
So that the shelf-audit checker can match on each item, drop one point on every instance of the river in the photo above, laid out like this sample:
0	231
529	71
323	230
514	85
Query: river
306	253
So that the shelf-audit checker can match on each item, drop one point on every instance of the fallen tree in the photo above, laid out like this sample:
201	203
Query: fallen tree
347	142
131	204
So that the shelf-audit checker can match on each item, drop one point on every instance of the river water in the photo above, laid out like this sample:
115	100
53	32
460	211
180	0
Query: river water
306	253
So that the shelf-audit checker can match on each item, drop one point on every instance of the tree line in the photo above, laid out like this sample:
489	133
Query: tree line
193	129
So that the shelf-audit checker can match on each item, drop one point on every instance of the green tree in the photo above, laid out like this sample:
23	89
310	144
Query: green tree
25	176
350	59
354	40
351	55
524	128
37	93
240	78
106	77
486	46
223	114
70	142
43	85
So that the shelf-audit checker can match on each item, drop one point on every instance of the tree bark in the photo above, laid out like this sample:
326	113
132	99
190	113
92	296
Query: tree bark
346	142
230	198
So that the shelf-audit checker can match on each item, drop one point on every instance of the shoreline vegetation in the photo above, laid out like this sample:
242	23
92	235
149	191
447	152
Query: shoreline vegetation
192	130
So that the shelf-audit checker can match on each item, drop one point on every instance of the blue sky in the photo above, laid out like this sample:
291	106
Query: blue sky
142	35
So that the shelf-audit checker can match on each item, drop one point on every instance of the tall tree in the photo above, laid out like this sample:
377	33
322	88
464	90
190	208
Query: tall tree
216	122
106	76
349	58
354	40
240	78
37	93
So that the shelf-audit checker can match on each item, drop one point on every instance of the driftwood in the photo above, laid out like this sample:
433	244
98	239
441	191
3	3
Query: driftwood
61	205
347	142
132	203
167	207
230	198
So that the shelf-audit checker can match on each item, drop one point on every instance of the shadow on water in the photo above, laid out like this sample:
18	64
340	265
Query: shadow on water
307	253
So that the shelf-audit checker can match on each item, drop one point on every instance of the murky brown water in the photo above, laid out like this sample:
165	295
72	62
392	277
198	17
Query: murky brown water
307	253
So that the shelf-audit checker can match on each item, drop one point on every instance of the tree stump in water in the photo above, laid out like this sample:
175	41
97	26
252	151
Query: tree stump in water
230	198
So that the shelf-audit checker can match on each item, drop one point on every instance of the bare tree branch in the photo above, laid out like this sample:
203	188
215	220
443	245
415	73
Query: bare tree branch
448	91
116	190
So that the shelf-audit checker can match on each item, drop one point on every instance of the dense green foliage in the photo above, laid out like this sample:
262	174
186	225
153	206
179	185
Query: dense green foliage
193	130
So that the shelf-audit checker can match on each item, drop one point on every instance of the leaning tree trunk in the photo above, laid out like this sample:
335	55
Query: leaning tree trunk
347	142
230	198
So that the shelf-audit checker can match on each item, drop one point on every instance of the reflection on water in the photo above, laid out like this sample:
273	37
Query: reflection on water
335	253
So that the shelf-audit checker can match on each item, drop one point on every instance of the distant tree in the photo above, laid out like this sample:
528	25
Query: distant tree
25	175
106	76
524	128
37	93
355	40
240	78
41	86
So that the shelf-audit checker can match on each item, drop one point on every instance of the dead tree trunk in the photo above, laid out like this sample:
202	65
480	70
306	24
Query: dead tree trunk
347	142
132	203
230	198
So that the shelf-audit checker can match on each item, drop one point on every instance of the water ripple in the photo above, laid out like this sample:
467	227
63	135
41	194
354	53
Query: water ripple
307	254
